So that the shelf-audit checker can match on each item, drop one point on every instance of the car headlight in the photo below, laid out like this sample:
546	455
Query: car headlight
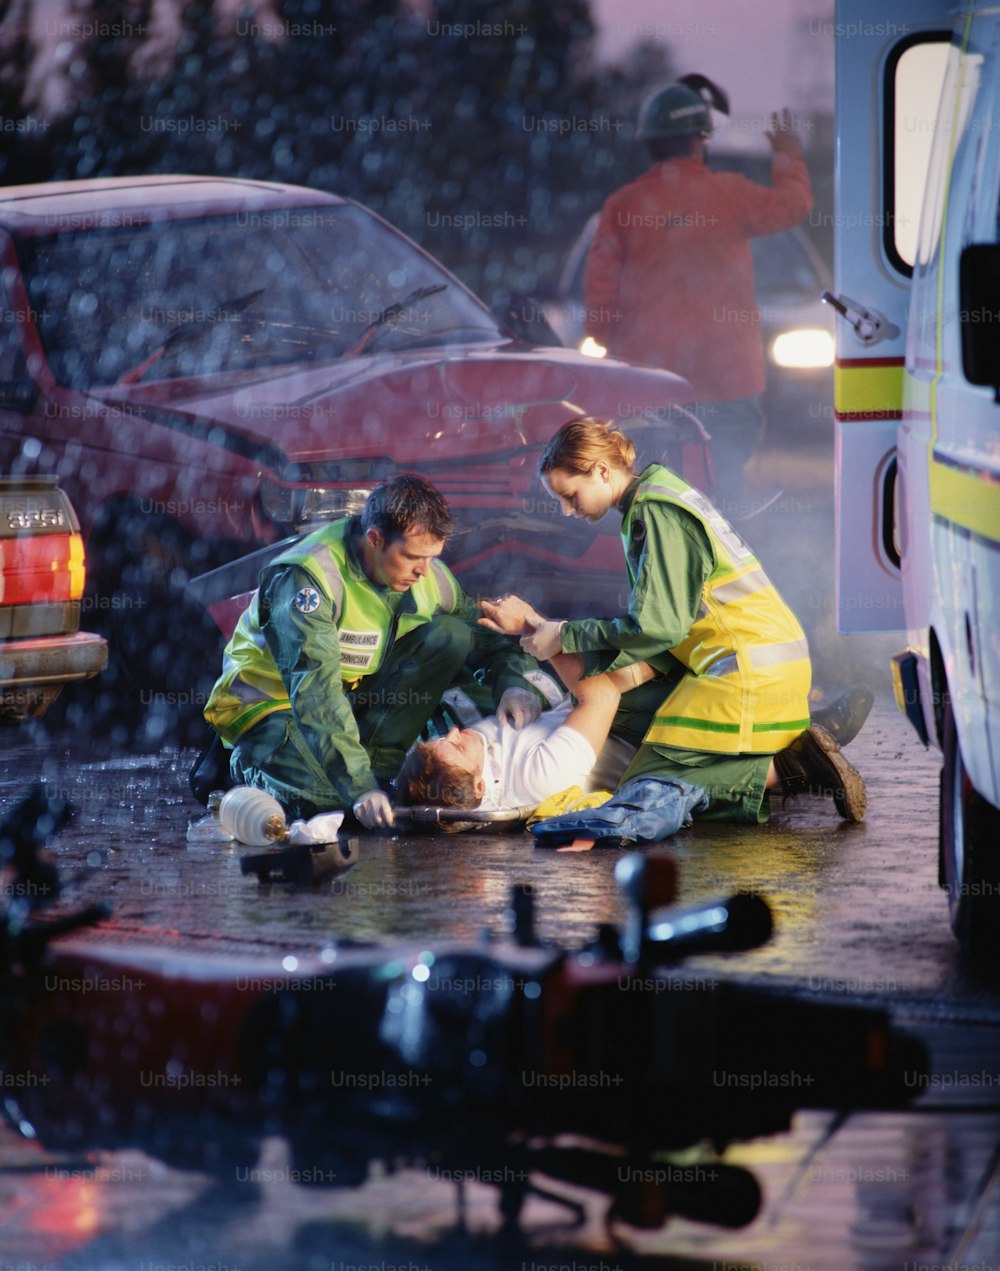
590	346
300	505
804	347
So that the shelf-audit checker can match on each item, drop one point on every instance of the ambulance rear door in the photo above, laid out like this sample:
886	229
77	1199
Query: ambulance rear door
890	64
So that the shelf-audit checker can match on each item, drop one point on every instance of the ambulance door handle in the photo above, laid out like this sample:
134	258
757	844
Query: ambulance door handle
869	326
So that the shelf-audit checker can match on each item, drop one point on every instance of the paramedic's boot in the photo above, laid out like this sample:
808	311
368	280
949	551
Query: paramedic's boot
211	769
813	764
843	718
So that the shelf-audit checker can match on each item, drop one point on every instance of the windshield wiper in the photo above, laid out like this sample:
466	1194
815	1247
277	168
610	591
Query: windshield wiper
228	311
389	315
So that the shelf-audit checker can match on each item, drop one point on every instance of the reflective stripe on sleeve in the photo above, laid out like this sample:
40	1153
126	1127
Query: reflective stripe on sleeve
248	693
546	685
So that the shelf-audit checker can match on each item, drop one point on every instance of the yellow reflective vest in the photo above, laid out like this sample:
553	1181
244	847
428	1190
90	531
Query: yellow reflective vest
750	673
251	686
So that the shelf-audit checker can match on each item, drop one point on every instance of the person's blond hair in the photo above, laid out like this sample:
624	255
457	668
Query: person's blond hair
582	442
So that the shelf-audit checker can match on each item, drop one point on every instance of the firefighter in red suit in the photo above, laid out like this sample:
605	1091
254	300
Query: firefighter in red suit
669	279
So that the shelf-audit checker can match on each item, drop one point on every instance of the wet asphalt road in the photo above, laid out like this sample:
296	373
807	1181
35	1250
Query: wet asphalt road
857	908
859	918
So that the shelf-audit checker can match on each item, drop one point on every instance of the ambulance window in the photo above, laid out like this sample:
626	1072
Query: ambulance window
914	75
963	79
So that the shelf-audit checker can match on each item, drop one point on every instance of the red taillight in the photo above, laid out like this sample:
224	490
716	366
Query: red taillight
43	568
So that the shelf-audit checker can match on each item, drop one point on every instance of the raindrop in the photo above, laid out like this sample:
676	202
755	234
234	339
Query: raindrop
85	304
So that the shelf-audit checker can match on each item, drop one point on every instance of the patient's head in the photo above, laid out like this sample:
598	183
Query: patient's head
446	772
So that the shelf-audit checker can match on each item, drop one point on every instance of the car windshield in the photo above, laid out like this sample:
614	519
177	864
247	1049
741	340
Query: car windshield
230	293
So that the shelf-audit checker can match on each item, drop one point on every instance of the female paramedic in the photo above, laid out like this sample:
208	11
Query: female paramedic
737	720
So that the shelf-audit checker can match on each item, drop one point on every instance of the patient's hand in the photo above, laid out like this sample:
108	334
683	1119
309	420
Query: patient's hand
510	615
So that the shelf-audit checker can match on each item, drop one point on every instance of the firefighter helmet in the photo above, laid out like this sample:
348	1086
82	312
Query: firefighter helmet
677	111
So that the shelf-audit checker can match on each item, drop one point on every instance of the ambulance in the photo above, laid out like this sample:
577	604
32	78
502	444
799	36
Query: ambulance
917	397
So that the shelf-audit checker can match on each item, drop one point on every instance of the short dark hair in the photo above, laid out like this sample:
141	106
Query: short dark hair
426	778
407	504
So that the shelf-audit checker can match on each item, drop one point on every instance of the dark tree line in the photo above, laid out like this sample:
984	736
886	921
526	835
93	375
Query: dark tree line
473	126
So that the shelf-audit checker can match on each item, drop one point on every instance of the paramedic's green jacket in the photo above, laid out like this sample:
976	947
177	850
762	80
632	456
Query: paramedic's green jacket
700	597
316	628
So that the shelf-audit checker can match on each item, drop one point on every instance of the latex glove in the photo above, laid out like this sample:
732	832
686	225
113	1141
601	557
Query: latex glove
373	809
518	706
509	615
544	642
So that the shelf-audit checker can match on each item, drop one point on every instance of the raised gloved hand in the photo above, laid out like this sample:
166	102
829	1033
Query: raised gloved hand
373	809
544	641
518	706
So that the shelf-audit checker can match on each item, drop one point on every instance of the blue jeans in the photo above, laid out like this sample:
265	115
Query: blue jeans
646	810
736	785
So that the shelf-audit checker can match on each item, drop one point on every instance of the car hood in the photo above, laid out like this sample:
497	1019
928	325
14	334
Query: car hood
418	407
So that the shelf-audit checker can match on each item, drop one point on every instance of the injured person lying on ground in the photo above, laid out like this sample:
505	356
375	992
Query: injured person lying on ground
568	752
571	758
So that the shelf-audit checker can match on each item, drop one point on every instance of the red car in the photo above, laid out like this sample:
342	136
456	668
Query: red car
41	588
212	365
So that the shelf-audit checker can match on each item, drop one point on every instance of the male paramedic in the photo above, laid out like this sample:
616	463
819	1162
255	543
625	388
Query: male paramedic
343	654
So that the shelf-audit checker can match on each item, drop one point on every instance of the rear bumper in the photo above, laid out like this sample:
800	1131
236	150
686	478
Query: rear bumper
52	659
32	671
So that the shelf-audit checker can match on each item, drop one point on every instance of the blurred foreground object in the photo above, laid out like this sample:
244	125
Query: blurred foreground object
498	1052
